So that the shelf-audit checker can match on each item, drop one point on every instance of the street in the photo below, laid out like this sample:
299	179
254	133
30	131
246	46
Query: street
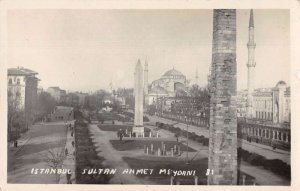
42	138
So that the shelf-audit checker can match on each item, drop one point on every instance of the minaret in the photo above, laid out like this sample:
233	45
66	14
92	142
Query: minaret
197	77
146	83
251	65
138	128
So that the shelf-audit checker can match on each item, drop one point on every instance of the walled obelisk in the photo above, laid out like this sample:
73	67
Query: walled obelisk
138	128
251	66
222	159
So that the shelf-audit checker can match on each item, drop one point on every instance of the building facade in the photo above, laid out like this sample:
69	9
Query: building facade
22	90
272	104
58	94
62	113
169	85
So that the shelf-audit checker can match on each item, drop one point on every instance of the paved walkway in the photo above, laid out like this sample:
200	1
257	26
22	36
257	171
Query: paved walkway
69	162
113	158
263	177
33	152
260	149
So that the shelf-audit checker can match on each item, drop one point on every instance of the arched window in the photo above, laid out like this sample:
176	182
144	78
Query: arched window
10	81
18	81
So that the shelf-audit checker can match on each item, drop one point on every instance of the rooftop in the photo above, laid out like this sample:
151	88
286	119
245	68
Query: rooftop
173	72
20	71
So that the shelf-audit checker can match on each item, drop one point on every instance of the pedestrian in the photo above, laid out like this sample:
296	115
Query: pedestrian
72	134
121	136
69	178
66	151
16	143
73	143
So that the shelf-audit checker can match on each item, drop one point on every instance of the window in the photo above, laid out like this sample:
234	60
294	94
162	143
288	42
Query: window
18	81
10	81
18	94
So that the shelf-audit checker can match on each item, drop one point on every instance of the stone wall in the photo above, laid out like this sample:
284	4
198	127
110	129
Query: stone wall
223	120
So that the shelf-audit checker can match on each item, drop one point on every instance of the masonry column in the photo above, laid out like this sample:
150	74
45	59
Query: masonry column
222	160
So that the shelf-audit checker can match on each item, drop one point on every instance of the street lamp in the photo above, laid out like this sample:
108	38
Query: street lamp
187	141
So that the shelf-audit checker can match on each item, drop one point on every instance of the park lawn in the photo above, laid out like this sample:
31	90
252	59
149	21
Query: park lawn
139	144
112	127
109	116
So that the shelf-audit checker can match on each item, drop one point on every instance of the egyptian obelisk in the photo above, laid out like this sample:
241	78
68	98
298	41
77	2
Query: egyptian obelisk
138	128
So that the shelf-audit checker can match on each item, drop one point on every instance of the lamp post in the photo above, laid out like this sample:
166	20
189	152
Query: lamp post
187	141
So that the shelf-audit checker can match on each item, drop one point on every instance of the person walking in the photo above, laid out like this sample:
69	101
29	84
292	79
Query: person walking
69	178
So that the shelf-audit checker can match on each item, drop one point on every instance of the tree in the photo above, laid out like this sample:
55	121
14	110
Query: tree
13	113
45	104
55	159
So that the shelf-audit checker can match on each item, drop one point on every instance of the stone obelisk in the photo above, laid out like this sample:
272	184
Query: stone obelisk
138	128
222	159
251	66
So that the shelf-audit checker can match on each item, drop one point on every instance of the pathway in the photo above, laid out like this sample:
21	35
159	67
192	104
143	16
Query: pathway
113	158
33	153
263	177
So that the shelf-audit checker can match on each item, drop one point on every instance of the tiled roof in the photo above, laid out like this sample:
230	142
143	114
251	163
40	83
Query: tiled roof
16	72
21	71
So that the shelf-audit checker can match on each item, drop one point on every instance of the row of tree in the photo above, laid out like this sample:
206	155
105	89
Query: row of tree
19	119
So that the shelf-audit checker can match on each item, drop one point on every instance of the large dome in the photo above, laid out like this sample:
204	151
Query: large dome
173	72
281	84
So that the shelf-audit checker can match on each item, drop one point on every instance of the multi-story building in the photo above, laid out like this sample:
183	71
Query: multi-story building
241	103
22	90
272	104
57	93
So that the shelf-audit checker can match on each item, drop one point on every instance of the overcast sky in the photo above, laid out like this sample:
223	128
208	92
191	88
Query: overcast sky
83	50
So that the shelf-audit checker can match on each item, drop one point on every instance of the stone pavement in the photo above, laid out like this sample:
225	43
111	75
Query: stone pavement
69	162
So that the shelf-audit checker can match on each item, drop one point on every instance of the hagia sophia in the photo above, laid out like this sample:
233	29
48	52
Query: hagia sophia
169	84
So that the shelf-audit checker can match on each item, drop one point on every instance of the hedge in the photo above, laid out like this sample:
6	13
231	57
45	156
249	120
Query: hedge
275	165
86	157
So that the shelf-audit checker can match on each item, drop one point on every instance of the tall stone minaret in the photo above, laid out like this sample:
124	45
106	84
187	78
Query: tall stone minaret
197	77
146	83
251	65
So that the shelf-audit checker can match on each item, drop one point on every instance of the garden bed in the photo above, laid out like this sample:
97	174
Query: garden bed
107	127
139	144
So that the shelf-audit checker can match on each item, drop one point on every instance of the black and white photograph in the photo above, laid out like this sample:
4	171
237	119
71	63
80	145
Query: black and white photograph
149	97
